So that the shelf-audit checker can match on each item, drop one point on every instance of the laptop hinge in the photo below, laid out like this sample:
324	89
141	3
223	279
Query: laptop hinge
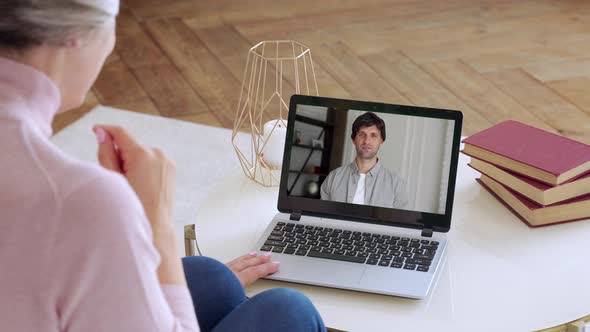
295	216
427	232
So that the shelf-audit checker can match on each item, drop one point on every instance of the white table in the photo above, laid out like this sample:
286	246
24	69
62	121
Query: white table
500	275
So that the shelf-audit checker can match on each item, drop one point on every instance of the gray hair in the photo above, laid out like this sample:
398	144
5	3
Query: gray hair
27	23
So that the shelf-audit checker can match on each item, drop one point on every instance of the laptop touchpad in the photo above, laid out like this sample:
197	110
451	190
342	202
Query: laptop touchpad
322	271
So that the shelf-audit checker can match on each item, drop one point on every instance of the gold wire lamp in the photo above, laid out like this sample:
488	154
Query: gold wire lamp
274	71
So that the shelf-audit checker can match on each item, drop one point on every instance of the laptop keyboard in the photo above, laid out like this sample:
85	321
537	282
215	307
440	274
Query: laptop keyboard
351	246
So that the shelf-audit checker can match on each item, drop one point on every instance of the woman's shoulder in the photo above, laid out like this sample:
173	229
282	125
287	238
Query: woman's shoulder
75	177
105	207
100	189
68	178
93	194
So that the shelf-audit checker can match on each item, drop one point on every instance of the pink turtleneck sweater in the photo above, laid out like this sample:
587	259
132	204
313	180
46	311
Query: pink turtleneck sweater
76	251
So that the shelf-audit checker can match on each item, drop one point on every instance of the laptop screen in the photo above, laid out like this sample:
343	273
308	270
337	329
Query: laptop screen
369	161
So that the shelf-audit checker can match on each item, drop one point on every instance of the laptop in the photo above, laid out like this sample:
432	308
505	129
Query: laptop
365	197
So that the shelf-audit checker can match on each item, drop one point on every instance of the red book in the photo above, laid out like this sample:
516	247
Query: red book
530	151
541	193
536	215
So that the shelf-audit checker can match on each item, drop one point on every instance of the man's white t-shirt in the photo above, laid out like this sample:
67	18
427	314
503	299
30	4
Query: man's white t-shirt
359	195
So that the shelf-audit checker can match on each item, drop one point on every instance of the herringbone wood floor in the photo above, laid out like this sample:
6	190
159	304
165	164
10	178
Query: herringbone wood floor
527	60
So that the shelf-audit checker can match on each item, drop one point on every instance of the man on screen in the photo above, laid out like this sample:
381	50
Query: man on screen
365	180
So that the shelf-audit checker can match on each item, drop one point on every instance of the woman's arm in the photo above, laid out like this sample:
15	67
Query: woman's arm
106	270
151	174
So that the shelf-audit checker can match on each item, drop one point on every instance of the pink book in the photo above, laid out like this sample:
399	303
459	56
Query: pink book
535	190
530	151
535	215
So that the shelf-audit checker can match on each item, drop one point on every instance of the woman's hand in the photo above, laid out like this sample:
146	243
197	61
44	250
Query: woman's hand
151	175
252	267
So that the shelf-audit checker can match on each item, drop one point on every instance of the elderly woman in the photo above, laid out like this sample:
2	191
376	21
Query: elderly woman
89	248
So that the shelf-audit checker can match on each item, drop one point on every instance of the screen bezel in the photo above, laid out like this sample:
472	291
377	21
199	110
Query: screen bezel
364	213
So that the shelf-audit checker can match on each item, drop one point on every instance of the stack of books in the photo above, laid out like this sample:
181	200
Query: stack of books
542	177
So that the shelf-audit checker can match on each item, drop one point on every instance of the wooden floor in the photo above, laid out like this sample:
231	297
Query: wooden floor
493	60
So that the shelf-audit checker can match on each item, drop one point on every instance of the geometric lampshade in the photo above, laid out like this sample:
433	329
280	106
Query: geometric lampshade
275	70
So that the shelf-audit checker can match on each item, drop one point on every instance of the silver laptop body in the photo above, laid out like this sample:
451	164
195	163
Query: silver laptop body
356	276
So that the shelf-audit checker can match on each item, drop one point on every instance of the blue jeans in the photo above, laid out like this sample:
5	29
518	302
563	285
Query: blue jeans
221	303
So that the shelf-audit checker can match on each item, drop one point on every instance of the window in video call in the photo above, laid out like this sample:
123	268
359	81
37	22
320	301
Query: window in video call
370	158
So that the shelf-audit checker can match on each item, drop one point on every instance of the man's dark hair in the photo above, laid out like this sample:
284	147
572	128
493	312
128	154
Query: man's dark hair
367	120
